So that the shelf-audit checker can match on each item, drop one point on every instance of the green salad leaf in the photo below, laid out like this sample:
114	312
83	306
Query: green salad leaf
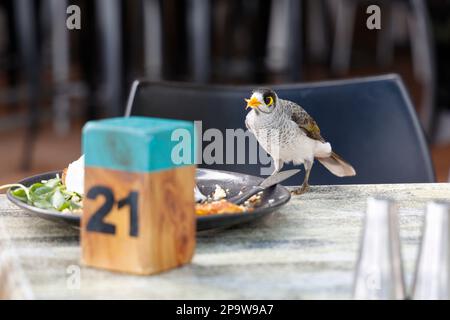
47	194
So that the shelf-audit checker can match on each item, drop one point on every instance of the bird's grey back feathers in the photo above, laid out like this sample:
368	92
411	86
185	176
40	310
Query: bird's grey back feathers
302	119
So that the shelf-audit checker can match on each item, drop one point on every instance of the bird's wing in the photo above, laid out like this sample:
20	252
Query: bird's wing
304	121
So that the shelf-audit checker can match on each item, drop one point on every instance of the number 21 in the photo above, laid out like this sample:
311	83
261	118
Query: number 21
96	222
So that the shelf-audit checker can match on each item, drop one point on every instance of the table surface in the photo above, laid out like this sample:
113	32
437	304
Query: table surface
307	250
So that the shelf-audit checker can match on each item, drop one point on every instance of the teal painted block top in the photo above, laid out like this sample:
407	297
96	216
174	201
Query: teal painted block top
139	144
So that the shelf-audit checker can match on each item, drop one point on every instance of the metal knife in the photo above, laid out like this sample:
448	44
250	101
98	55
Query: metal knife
266	183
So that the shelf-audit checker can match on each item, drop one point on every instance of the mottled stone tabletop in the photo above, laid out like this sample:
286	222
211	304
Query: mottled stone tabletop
307	250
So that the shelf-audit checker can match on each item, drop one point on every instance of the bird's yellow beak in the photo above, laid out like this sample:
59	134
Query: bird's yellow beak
252	103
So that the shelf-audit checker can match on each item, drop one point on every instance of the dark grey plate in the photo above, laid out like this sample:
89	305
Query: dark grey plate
206	180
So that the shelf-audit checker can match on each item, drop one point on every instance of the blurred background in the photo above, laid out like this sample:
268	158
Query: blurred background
53	79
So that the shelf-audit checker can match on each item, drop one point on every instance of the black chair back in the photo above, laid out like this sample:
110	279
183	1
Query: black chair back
370	122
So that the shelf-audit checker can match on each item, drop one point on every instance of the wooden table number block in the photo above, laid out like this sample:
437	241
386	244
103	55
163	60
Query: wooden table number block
138	214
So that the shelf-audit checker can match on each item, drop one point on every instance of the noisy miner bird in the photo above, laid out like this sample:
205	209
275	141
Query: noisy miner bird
289	134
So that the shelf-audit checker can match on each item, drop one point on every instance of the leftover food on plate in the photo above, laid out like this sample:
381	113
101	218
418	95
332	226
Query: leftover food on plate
219	206
48	194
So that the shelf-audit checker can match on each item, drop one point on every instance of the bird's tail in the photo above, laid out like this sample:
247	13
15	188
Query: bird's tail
337	166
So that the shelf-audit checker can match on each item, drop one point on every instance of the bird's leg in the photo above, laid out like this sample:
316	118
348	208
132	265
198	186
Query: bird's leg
305	186
278	166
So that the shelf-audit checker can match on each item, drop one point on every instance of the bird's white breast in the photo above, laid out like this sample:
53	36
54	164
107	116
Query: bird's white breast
283	139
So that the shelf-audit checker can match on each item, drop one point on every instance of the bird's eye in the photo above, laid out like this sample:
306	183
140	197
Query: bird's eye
268	101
